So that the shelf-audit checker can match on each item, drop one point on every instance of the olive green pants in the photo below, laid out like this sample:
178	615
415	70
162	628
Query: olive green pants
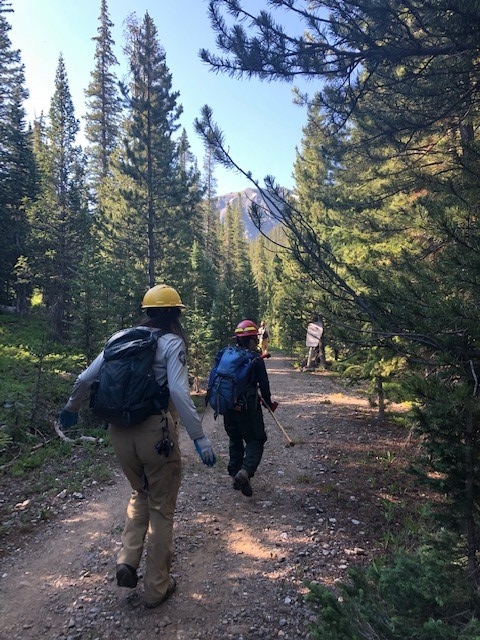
155	480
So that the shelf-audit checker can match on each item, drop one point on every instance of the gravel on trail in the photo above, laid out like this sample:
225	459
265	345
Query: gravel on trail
242	564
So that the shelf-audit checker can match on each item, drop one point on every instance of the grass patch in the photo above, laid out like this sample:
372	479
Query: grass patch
35	465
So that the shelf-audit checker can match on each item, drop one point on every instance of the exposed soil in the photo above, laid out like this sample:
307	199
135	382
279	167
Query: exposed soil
242	564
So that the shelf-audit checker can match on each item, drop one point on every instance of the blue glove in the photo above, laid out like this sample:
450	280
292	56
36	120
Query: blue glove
205	451
68	418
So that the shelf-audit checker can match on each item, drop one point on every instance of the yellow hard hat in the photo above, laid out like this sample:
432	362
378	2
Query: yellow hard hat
162	296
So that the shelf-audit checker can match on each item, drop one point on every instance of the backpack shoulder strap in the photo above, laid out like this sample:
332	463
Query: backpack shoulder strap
158	333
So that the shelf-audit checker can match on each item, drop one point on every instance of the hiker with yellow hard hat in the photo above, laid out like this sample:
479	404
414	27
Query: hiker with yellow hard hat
149	452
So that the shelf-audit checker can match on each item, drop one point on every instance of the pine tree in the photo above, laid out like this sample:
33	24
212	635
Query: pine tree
103	102
400	250
236	275
197	322
59	213
17	172
149	158
96	271
260	270
211	217
187	218
121	257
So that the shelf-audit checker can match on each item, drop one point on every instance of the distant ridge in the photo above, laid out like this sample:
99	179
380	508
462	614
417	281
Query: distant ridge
247	196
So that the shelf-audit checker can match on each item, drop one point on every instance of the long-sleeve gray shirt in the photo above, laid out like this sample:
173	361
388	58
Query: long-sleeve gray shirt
169	365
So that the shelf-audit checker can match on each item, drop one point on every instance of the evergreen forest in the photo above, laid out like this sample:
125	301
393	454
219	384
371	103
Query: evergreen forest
380	239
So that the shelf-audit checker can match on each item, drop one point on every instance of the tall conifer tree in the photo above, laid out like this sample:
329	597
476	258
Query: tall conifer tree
149	158
17	171
59	213
237	275
103	102
210	213
99	272
187	223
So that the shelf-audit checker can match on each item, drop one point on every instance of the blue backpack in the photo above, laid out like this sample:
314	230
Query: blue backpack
230	378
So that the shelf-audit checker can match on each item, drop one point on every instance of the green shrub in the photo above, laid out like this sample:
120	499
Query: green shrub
419	595
37	377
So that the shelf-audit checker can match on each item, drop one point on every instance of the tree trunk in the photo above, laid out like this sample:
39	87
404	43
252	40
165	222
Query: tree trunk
311	351
381	399
470	521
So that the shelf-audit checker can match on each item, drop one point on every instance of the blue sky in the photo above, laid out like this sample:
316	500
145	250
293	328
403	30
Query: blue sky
262	126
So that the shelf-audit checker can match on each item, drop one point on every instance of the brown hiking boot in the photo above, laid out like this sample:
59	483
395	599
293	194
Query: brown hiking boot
242	479
170	589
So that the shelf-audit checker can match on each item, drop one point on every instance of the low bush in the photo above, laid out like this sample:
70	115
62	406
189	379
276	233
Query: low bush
414	595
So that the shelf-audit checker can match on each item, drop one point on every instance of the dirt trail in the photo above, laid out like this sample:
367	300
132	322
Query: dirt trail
241	563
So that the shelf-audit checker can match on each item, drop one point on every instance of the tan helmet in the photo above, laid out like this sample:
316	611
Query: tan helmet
162	296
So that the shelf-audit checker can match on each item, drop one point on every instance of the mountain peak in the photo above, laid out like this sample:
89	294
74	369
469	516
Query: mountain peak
246	198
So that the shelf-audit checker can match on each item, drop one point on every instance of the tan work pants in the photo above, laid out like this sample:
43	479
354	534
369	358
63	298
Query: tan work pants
155	480
264	345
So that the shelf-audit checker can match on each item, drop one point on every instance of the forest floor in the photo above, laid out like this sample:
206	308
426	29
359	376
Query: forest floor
333	500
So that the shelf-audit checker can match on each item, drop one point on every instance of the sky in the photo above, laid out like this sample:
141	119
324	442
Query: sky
261	125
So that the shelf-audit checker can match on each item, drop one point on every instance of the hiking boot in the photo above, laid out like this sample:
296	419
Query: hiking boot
126	576
235	483
242	479
170	589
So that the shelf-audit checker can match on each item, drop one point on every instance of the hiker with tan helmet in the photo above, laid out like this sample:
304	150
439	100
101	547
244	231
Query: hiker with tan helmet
148	451
240	405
